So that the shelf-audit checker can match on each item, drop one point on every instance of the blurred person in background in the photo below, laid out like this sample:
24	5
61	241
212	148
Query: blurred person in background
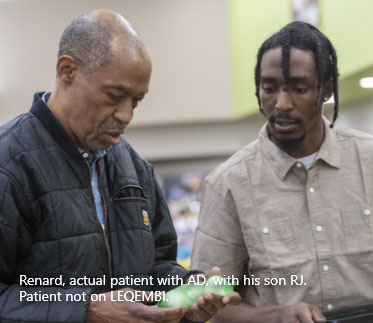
290	215
76	199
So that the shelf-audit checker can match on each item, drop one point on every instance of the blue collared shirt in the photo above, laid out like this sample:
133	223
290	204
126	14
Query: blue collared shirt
93	157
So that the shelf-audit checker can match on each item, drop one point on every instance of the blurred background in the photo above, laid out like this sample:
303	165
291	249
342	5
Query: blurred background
201	107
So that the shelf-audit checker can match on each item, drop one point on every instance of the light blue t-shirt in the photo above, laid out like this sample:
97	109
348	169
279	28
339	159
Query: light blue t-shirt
308	160
93	157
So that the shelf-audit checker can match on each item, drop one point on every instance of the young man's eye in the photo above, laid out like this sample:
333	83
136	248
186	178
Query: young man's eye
268	88
300	89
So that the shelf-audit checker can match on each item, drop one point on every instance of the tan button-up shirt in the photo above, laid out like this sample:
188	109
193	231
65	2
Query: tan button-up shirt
290	234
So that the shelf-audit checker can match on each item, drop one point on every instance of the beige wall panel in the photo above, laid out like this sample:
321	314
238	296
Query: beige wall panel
187	40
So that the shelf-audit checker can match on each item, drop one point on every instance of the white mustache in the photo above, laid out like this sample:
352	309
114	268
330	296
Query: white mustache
116	128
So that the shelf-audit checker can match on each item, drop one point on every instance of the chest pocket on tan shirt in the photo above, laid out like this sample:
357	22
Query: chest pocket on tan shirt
357	229
279	240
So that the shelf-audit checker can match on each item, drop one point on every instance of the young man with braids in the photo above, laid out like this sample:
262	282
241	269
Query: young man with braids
290	215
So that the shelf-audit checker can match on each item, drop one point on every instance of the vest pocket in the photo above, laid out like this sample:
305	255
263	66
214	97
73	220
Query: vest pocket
129	193
131	236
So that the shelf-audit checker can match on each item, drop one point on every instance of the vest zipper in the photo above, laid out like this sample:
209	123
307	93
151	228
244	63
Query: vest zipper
107	250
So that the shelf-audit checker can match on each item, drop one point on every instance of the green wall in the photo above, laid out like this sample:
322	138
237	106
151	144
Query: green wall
347	23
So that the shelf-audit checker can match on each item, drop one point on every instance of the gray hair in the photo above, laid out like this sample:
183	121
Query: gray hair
87	41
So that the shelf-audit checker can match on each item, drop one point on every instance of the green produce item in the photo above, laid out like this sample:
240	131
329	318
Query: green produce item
218	285
186	295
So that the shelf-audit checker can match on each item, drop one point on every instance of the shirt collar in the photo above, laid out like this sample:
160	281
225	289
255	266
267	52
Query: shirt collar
282	162
330	149
93	155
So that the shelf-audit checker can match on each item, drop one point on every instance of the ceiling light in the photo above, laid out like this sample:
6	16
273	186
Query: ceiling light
366	82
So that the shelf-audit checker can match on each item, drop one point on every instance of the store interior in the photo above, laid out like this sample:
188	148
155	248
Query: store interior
201	106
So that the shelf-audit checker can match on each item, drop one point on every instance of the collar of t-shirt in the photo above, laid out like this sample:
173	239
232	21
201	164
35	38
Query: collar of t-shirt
91	157
308	160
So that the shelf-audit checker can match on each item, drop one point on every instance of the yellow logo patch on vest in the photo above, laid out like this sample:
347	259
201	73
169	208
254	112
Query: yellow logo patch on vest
145	217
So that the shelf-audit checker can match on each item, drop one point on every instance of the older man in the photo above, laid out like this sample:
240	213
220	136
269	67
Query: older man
79	208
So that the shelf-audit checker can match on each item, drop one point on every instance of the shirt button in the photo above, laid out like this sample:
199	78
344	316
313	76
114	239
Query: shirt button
367	212
319	228
93	184
85	155
325	268
330	306
265	230
312	190
299	165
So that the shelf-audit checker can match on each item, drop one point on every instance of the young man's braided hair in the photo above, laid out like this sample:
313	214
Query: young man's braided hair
304	36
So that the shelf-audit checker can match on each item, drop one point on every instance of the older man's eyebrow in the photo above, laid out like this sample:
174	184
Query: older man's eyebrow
120	88
123	89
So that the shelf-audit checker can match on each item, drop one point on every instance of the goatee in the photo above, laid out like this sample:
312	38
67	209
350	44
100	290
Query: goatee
288	144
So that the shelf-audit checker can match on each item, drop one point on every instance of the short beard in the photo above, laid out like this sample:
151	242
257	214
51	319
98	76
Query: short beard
288	144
